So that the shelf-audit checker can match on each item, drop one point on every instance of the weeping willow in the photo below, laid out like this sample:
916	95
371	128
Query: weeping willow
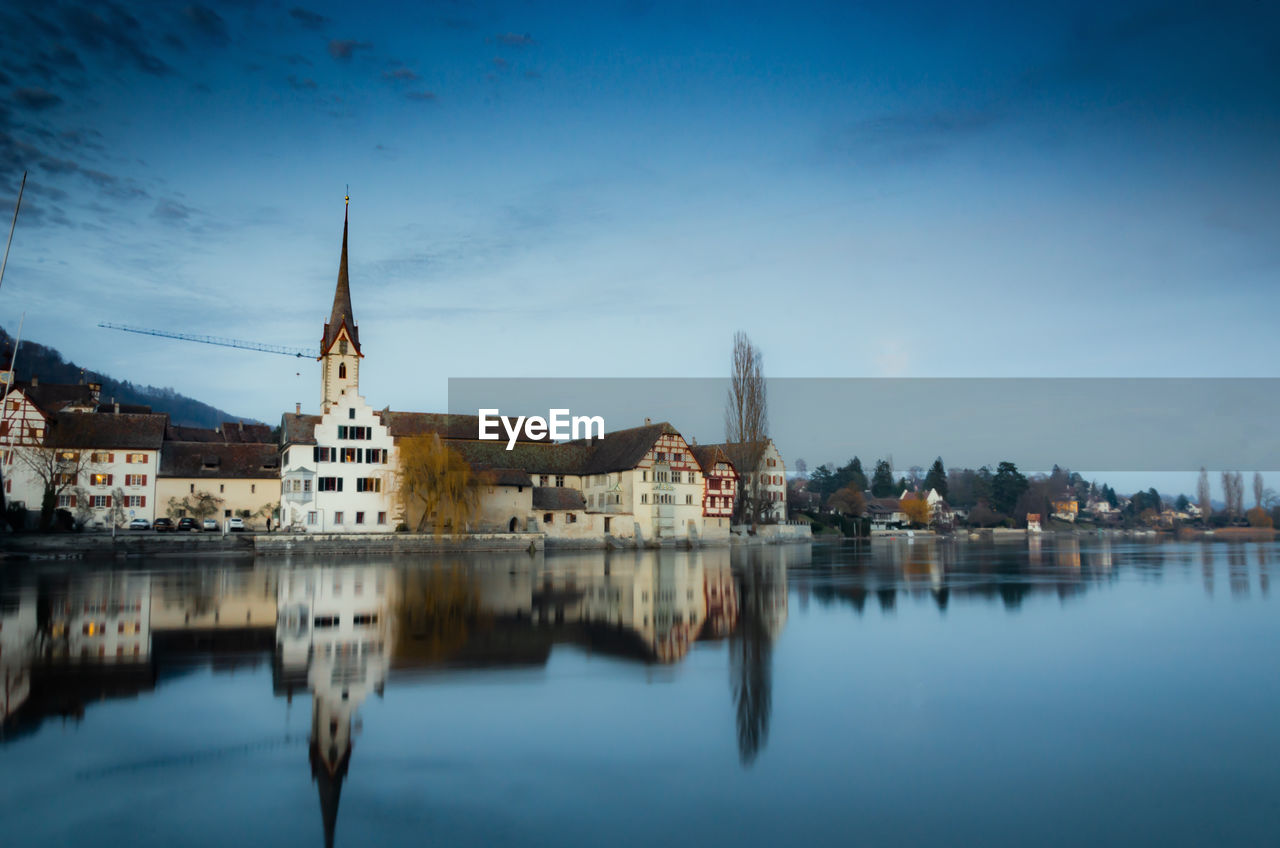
437	485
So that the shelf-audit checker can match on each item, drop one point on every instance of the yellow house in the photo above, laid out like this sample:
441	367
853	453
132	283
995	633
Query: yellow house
240	477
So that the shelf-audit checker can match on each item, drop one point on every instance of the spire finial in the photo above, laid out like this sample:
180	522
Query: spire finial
348	198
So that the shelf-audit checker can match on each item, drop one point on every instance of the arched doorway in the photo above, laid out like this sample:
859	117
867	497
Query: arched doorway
511	528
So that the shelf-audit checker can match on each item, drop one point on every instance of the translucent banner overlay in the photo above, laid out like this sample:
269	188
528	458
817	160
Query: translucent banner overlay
1119	424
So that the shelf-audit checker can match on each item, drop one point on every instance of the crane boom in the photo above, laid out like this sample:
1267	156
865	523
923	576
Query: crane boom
283	350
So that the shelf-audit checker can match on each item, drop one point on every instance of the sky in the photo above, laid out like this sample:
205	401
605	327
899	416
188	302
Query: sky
612	189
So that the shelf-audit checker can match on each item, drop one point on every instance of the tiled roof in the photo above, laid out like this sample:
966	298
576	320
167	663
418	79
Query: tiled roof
530	457
298	429
231	432
623	449
557	497
448	425
51	397
510	477
708	456
131	408
106	430
203	459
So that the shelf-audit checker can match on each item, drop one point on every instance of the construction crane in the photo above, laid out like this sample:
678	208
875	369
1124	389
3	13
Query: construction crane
283	350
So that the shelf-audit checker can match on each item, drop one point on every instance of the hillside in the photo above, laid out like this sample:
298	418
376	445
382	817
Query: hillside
47	364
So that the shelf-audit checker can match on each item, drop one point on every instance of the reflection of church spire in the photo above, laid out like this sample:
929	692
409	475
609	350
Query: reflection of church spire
330	756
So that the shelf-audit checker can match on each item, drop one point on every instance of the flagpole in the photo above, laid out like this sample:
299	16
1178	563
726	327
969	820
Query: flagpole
12	226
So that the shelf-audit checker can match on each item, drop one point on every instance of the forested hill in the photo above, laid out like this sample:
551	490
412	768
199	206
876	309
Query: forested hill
47	364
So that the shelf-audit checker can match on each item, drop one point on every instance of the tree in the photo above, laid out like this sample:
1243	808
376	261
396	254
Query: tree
1182	503
438	483
882	485
1258	517
84	511
937	478
848	501
822	482
1233	492
746	427
917	510
1007	486
851	474
983	516
58	469
802	468
117	516
1258	489
1202	495
915	477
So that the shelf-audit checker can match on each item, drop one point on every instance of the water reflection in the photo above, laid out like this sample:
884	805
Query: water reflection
337	631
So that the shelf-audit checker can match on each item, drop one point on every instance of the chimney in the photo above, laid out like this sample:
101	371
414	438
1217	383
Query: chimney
297	409
35	381
116	407
648	421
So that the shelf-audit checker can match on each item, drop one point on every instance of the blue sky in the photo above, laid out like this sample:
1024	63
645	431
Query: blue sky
612	189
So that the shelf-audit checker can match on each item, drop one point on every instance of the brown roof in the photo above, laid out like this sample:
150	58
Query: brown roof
884	505
88	430
298	429
448	425
181	433
623	449
240	433
203	459
131	408
708	456
557	497
509	477
530	457
51	397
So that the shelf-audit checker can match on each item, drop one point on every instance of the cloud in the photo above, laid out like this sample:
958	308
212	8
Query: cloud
172	211
308	19
514	39
208	24
342	49
118	33
400	75
35	99
421	96
306	84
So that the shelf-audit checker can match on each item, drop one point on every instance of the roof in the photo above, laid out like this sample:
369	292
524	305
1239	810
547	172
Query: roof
708	456
884	505
51	397
88	430
743	450
298	429
509	477
448	425
202	459
557	497
231	432
131	408
529	457
622	450
341	314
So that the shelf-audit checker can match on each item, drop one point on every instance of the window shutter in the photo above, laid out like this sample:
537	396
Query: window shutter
108	501
110	477
73	501
144	501
144	480
111	457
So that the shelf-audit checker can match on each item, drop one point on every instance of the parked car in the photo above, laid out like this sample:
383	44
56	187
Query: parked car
236	525
210	525
162	525
139	524
188	524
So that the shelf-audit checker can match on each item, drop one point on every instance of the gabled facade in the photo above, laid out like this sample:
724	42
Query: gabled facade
720	488
650	474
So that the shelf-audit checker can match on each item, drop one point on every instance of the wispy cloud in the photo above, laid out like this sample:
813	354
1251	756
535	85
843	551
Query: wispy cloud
302	84
35	99
514	39
207	24
400	75
308	19
114	33
343	49
421	96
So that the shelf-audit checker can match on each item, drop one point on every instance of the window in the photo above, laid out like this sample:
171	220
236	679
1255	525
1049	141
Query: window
135	500
135	479
571	518
359	518
66	501
560	481
193	488
133	458
342	370
688	499
542	480
644	476
102	457
546	517
69	456
368	484
99	479
311	517
306	485
222	488
253	488
351	413
382	518
375	455
337	518
348	454
331	484
675	476
99	501
324	621
644	498
365	619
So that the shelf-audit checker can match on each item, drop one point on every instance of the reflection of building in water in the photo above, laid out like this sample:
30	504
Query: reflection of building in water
229	611
17	647
333	631
104	616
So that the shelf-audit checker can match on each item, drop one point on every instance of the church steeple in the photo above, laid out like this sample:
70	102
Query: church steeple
342	315
340	345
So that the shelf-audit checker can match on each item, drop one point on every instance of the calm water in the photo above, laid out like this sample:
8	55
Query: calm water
1060	693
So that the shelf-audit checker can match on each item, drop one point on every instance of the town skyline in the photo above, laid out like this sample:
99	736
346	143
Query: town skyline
515	173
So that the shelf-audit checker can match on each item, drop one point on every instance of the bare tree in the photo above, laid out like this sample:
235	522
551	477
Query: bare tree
1202	495
1233	492
57	470
1258	489
746	427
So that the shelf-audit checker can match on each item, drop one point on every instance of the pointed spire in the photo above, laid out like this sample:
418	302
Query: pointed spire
342	312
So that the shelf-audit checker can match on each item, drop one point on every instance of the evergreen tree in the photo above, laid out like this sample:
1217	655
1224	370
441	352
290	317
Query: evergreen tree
882	485
937	478
1007	486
